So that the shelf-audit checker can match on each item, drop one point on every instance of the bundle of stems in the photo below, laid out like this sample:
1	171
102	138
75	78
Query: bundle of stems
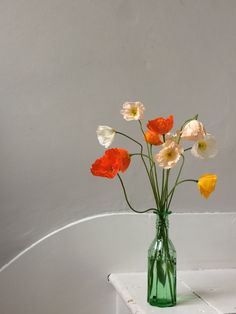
163	195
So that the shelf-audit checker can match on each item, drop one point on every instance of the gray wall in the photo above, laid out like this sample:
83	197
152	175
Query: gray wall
67	66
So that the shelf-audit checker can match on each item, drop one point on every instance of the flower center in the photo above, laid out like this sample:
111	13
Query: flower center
170	154
202	146
133	111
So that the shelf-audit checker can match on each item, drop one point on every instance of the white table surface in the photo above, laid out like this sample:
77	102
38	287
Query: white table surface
201	291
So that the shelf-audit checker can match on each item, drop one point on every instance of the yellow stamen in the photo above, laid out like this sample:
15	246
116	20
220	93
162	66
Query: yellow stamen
202	146
170	155
133	111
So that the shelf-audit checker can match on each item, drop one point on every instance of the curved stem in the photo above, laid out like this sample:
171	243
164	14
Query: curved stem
180	182
127	201
187	148
141	153
176	181
187	121
130	138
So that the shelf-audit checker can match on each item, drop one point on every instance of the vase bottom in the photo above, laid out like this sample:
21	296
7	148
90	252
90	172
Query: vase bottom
161	303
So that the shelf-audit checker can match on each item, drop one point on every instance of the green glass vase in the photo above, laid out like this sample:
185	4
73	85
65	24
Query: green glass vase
161	290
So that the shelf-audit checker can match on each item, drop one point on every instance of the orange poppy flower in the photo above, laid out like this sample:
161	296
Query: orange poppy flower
161	125
113	161
121	157
104	167
152	138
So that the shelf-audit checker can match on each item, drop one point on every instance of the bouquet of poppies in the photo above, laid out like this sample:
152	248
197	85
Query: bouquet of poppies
171	152
170	149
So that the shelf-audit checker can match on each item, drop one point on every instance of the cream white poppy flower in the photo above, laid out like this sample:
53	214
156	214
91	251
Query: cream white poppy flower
193	131
169	155
205	148
105	135
132	110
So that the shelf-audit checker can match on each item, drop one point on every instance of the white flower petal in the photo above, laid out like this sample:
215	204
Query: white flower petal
169	155
205	148
132	111
193	131
105	135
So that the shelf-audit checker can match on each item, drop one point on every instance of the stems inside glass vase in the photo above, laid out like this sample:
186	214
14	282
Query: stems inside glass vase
162	267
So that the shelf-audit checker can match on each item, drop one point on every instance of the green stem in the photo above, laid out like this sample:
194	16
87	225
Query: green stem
176	181
127	201
180	182
166	190
162	187
145	165
187	148
151	270
152	173
130	138
139	154
169	262
155	175
151	166
163	233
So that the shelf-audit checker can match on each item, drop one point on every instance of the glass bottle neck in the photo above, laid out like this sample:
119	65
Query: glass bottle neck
162	225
